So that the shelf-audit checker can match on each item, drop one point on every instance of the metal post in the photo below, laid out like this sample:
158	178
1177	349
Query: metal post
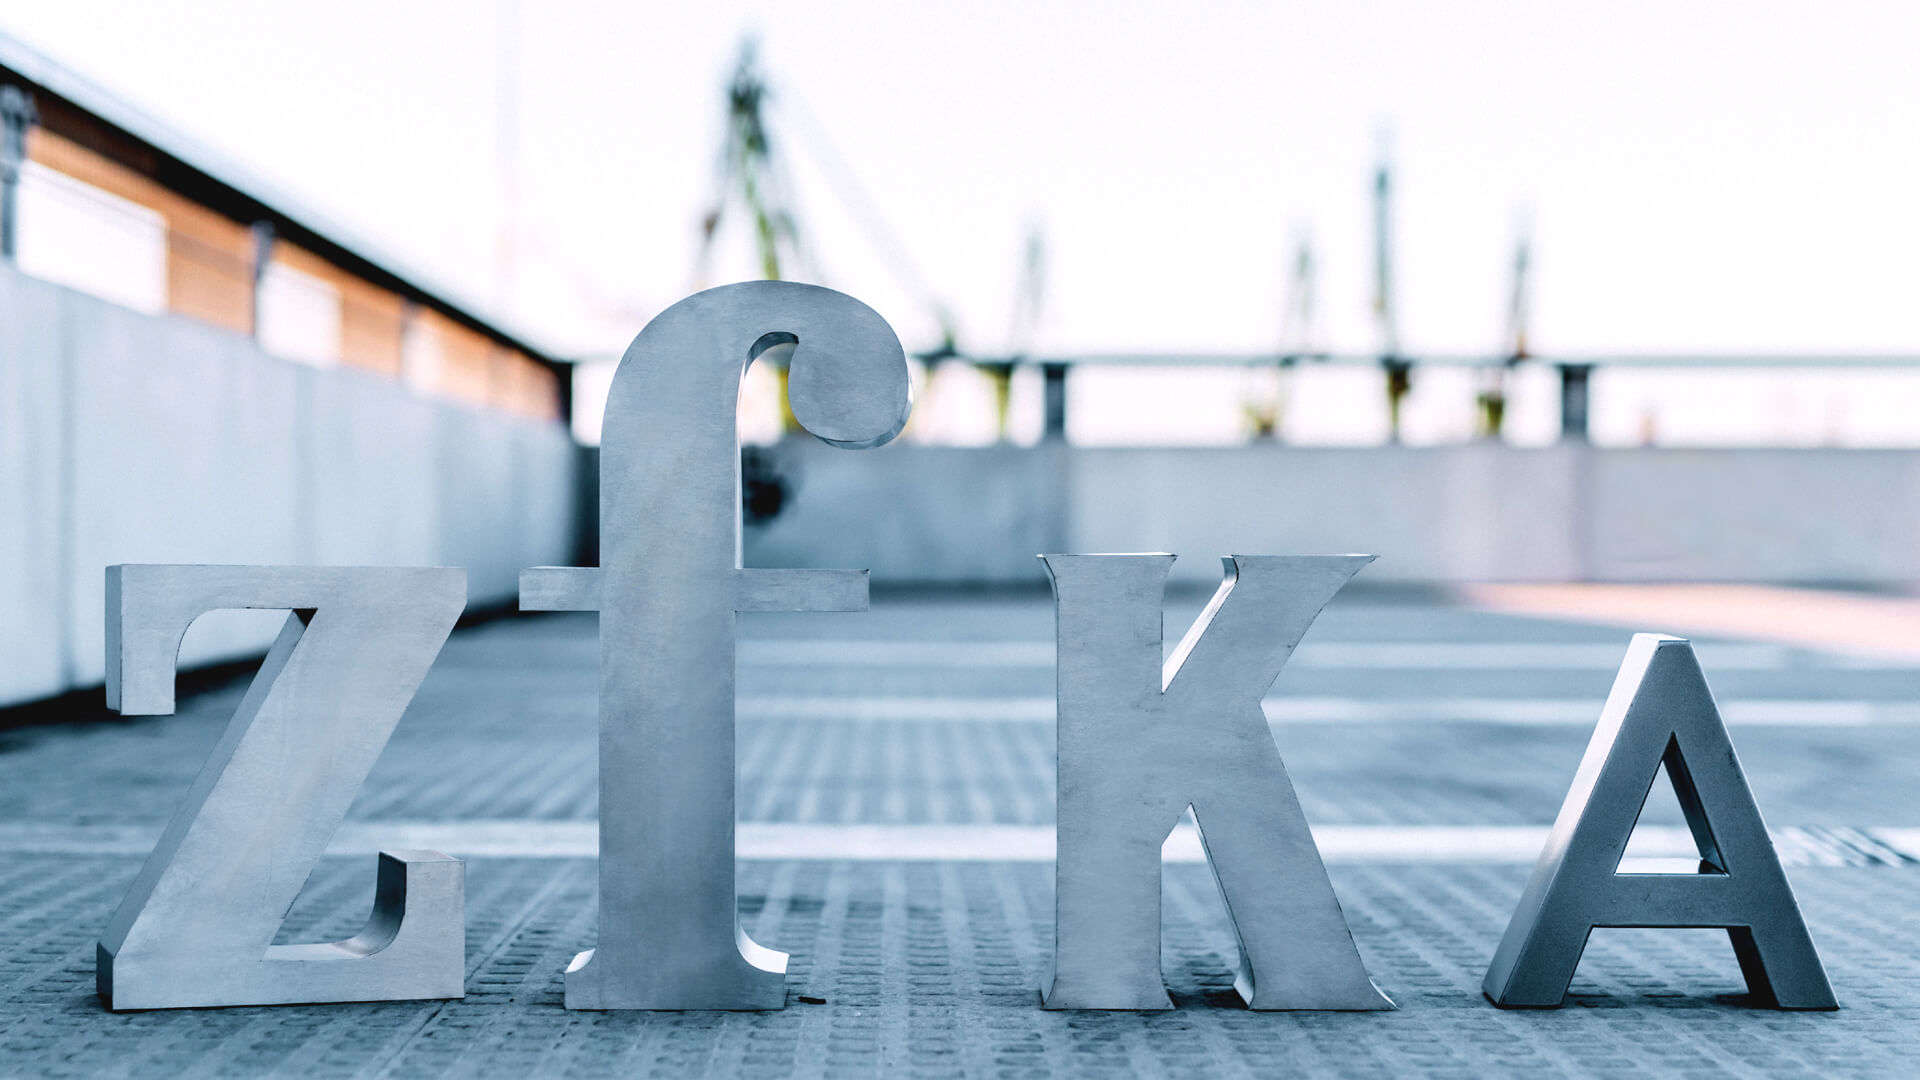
1055	398
1399	383
263	237
16	117
1573	401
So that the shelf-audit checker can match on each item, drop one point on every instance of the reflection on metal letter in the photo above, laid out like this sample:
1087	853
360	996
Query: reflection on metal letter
670	586
197	927
1660	711
1140	742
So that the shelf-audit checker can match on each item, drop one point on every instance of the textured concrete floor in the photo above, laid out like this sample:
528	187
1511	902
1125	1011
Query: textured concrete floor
920	713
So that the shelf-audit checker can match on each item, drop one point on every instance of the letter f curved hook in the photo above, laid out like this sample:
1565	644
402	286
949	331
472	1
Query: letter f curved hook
679	381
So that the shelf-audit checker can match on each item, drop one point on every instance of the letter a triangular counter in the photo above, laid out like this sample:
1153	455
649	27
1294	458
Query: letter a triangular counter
1659	712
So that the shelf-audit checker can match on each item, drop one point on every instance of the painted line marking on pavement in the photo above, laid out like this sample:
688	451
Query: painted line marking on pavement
768	652
1652	849
1519	712
1339	655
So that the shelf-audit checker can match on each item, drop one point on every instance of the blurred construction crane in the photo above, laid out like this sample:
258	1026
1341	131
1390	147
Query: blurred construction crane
751	176
1029	301
1265	399
1399	371
1493	395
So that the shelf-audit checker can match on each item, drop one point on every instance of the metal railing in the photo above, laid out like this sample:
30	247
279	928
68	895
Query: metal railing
1575	372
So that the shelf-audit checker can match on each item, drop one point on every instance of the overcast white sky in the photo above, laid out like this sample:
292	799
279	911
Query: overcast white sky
1700	176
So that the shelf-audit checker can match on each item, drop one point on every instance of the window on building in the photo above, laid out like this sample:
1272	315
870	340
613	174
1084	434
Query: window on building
75	234
299	316
421	357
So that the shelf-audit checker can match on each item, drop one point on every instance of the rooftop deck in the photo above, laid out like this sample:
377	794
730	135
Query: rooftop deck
1431	740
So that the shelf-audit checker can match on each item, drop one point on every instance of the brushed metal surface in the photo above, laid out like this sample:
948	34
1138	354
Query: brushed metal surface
1659	712
1141	741
668	591
197	926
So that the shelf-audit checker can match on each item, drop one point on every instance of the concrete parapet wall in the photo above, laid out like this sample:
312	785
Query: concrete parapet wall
1478	512
916	514
133	438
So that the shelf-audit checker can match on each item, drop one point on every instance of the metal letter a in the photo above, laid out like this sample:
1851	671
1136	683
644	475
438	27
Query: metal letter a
1141	741
1660	711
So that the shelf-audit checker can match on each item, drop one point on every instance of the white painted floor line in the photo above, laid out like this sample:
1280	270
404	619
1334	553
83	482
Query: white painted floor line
1037	710
1653	849
1520	712
811	652
1336	655
1516	656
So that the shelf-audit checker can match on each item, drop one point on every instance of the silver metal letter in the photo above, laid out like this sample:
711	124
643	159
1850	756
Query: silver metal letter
670	935
1141	741
197	927
1660	711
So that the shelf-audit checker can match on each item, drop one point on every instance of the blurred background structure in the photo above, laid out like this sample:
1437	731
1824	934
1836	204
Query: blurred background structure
1586	319
196	368
1496	293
